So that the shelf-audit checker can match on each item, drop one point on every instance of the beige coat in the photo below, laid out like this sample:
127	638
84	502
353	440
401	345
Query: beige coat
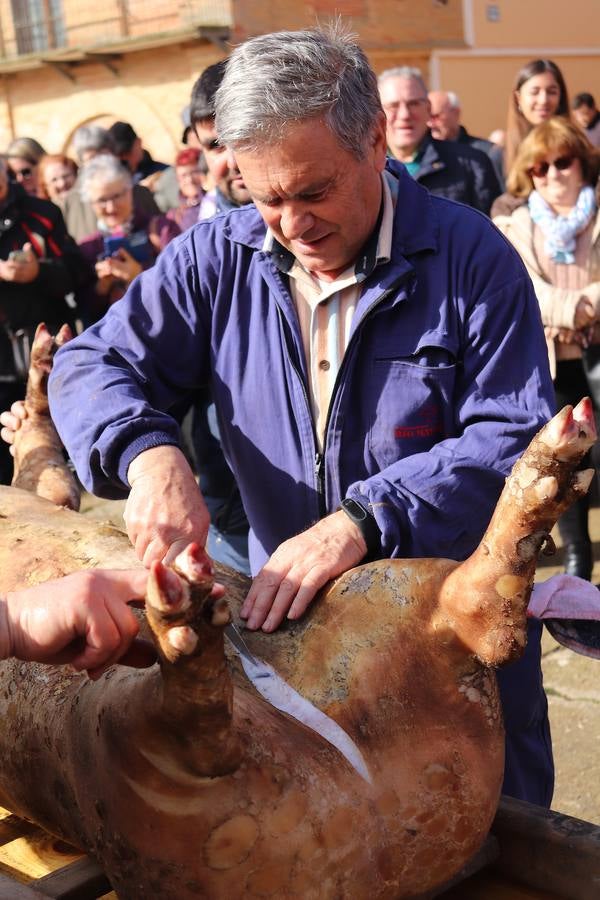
557	305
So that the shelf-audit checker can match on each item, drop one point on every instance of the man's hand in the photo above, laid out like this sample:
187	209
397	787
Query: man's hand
83	619
301	566
21	271
165	510
11	420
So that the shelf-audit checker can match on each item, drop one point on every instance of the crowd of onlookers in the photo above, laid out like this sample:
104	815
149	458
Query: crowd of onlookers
75	230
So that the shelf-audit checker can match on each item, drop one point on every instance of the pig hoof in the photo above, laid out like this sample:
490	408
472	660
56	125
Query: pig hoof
193	564
166	592
582	481
183	639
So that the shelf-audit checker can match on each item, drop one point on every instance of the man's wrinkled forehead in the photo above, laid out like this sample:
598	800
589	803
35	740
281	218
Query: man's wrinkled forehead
404	88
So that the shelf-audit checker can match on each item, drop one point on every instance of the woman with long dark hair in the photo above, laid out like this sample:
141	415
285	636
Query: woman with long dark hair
539	92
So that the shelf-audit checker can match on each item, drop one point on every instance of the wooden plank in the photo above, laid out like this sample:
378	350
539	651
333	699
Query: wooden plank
13	890
539	847
493	886
81	880
34	854
11	827
33	860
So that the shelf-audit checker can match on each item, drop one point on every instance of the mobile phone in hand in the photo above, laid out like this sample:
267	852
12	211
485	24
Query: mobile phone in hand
18	256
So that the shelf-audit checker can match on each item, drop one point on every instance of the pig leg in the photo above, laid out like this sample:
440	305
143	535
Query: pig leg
489	616
187	612
40	465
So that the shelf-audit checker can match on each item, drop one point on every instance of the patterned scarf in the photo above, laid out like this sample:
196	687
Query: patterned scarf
560	231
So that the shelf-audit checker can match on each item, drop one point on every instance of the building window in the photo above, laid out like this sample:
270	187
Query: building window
39	25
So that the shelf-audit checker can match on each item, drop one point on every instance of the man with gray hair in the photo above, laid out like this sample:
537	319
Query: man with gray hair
375	353
445	124
90	141
446	168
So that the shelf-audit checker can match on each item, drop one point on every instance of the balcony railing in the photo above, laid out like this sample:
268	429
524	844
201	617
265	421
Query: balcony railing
45	26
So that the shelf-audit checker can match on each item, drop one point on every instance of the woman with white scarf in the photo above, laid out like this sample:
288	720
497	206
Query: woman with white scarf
557	233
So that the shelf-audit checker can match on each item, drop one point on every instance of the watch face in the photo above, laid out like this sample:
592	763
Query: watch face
354	509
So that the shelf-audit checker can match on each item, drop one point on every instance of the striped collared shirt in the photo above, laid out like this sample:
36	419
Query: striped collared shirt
325	309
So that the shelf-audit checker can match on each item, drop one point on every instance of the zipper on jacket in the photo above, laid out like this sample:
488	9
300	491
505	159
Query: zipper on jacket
320	476
319	466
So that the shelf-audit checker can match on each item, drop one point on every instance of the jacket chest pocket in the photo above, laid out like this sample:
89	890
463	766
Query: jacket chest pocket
413	403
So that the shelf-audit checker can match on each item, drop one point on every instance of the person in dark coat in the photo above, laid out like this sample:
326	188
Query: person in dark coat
587	116
39	265
445	124
445	168
132	154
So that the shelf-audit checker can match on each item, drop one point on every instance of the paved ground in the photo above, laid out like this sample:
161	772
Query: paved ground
572	683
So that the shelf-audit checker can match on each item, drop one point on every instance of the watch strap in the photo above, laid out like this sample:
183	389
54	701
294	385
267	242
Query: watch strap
366	522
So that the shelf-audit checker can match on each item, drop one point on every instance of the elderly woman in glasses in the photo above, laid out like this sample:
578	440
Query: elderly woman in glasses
557	233
125	243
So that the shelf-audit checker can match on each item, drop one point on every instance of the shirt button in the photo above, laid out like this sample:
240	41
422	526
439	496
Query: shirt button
325	365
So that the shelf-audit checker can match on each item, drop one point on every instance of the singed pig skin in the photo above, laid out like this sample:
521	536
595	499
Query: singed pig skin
105	765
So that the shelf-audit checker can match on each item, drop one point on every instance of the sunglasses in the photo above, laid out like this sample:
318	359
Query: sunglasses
22	173
542	168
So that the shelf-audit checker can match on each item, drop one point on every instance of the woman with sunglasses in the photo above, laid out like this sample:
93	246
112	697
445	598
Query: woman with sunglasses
557	233
23	155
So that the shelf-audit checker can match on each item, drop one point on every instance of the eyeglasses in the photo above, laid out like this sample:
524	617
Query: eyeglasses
411	105
541	169
22	173
58	179
104	201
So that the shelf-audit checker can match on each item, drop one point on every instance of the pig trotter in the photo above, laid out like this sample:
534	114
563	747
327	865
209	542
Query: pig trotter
187	613
40	465
544	482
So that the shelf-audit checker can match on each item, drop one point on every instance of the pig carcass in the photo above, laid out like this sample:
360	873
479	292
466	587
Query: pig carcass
184	782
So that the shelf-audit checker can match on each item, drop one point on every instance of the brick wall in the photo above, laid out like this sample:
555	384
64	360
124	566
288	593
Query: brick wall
388	29
150	90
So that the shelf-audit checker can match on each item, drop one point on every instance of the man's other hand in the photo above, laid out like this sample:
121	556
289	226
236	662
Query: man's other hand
300	566
165	510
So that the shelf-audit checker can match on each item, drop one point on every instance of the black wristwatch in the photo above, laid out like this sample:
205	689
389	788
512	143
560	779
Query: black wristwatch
365	520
